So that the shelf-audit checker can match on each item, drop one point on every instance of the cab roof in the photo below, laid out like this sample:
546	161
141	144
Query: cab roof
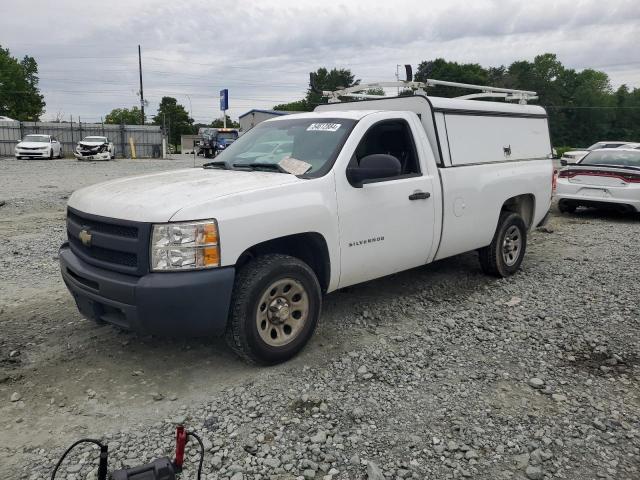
350	114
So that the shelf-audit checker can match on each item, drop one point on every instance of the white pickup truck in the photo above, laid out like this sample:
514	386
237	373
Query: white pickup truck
248	245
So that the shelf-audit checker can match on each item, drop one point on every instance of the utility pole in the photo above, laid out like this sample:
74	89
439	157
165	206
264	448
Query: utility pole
141	91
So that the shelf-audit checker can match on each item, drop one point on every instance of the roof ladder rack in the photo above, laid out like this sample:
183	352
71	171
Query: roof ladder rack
508	94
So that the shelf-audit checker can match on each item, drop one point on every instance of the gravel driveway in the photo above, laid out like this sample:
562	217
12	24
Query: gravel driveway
437	373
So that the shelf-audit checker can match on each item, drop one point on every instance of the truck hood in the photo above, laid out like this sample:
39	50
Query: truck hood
157	197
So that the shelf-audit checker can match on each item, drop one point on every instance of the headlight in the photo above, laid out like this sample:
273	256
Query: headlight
185	246
42	148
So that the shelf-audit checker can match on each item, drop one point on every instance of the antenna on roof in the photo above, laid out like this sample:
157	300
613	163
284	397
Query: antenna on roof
508	94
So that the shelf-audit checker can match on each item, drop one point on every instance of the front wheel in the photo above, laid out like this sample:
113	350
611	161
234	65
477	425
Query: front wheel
275	308
51	154
504	255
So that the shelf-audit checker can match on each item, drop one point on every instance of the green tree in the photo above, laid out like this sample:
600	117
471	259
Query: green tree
297	106
128	116
375	91
327	80
175	118
218	123
20	96
440	69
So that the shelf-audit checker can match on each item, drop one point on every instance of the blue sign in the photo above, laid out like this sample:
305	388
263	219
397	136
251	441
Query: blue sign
224	99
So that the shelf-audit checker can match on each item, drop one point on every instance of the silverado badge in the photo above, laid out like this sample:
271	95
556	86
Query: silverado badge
85	237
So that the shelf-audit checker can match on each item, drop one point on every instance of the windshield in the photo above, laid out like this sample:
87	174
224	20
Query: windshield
36	138
316	141
227	135
624	158
94	139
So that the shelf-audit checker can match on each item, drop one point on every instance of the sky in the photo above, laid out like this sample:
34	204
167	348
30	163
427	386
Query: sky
263	50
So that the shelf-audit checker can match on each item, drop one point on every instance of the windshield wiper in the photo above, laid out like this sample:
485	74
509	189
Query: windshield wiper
274	167
216	164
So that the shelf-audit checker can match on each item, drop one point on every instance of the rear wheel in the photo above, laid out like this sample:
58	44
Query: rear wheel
274	310
504	255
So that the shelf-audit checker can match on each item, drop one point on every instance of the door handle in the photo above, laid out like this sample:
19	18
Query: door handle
419	196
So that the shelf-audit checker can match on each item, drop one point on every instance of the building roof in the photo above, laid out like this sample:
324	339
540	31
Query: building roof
271	112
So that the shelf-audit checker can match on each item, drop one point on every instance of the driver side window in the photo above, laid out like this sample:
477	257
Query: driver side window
391	137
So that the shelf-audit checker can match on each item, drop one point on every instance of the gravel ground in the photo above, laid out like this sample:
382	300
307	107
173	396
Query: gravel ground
439	372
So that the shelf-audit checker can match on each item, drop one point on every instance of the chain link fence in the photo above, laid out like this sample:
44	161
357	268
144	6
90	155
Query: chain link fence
147	139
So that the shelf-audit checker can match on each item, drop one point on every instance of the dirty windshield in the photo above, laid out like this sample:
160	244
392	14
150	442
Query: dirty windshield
316	141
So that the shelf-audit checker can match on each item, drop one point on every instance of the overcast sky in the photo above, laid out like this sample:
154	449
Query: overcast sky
263	50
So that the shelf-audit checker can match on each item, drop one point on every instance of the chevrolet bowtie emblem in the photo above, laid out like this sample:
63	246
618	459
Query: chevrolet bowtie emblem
85	237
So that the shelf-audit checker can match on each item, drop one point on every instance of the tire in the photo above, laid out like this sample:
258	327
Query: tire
566	207
60	156
51	154
511	234
257	312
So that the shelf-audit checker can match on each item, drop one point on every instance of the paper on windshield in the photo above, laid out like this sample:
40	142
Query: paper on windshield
323	127
294	166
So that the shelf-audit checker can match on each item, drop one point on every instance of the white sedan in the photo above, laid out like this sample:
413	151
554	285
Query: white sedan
608	177
573	156
95	148
38	146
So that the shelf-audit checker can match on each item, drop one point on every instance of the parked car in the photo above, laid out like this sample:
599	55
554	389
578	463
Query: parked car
604	178
38	146
95	148
572	156
246	247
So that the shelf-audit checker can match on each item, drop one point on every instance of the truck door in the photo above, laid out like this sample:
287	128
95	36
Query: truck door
386	226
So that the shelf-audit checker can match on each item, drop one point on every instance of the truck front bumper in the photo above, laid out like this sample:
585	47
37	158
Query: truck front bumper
194	303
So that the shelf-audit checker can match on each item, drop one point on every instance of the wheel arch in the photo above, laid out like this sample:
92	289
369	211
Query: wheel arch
524	205
310	247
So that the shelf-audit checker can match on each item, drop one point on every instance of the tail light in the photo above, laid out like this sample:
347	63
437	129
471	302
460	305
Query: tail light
625	177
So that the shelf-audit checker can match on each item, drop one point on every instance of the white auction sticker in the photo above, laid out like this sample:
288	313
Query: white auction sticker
323	127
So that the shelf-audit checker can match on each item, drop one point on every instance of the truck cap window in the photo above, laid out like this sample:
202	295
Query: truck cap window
316	141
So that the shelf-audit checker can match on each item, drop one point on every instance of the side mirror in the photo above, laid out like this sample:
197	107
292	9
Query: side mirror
563	162
374	167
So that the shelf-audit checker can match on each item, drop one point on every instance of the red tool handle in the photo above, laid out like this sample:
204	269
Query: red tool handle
181	441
